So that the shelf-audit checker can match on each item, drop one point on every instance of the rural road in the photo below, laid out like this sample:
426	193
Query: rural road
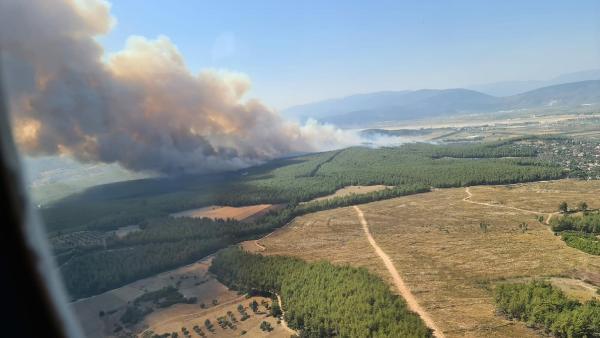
262	247
404	291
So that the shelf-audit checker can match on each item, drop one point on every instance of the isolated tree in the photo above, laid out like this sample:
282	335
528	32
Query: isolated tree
582	206
563	207
254	306
266	326
483	226
276	310
523	227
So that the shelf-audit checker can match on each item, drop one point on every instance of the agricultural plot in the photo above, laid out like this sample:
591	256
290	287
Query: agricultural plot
230	319
452	247
225	212
542	196
102	315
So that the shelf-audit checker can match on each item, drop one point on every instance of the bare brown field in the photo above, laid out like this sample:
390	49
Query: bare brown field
224	212
194	281
542	196
351	190
448	262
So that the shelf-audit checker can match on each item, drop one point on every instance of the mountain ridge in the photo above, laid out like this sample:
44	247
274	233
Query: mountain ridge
509	88
428	103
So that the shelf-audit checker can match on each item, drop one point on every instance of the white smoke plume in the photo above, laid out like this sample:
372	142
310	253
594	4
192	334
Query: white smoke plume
140	107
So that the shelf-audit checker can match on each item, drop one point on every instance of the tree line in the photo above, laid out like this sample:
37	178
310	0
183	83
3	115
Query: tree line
541	305
104	270
588	222
585	242
321	299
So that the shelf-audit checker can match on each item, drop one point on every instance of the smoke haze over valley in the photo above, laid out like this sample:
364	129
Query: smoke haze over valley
140	107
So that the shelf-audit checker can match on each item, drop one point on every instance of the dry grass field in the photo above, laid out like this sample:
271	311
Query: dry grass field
449	263
541	196
225	212
194	281
173	319
350	190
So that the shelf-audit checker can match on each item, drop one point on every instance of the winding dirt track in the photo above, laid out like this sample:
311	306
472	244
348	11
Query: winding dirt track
262	247
547	221
283	322
404	291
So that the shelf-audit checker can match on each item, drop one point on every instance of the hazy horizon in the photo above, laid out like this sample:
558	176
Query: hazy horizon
328	50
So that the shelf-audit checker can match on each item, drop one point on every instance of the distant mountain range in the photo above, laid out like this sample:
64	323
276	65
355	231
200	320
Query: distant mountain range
365	109
508	88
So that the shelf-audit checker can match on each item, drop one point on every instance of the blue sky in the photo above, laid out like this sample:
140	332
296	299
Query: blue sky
301	51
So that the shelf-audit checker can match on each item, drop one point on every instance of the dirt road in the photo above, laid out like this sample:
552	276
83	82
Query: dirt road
547	221
262	247
404	291
283	322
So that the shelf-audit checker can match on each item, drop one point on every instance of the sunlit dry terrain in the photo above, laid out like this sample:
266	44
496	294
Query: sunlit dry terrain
224	212
446	258
176	317
541	196
213	300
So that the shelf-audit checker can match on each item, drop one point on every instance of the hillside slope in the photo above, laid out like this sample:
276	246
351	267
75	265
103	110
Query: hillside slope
365	109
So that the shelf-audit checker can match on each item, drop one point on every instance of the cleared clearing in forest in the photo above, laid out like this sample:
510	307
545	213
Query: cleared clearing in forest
444	255
224	212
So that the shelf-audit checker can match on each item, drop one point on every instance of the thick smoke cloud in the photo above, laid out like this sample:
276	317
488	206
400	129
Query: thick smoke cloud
140	107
